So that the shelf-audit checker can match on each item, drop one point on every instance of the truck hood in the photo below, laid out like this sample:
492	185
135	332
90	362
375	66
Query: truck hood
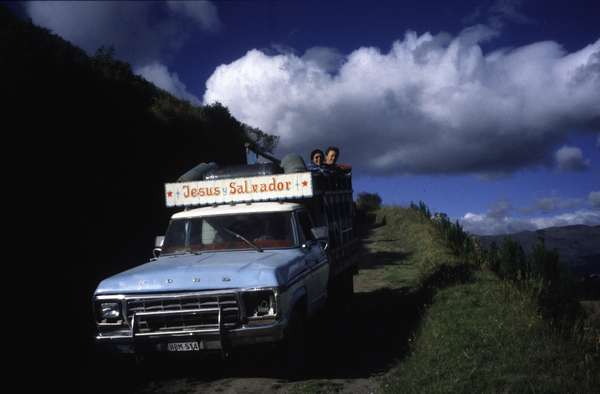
208	271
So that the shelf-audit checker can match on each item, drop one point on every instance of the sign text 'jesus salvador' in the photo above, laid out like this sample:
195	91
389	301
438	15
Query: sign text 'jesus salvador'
259	188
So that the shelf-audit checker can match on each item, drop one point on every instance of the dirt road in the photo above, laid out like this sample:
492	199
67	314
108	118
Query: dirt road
349	349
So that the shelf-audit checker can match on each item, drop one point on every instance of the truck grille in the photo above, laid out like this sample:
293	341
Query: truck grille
228	303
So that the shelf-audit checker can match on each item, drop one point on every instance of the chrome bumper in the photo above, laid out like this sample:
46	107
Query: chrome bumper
124	341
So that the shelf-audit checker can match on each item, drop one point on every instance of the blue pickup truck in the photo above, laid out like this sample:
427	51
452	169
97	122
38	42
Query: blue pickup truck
248	260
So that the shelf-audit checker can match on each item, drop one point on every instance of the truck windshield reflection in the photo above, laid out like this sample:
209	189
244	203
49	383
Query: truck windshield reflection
229	232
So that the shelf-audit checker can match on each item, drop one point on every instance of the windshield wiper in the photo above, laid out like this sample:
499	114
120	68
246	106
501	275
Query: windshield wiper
182	252
175	253
239	236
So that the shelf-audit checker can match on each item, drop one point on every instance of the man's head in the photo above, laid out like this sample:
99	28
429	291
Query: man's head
331	155
316	156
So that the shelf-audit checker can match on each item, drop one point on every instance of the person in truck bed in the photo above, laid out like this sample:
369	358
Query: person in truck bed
316	160
316	157
332	155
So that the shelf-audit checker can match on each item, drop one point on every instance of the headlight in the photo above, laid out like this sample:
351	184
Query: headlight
108	311
260	304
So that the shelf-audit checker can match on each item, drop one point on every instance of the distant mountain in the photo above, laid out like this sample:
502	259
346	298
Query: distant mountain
578	245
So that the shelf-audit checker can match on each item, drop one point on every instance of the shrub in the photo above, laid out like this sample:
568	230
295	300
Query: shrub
540	274
422	208
456	238
368	201
512	263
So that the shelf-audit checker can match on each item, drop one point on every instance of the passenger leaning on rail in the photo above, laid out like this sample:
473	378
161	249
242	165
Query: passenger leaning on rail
316	160
332	155
316	157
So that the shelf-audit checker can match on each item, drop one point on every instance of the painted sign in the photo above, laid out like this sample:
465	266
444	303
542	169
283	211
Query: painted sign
247	189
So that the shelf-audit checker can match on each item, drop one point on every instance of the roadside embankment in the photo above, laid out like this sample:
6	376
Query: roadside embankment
487	336
477	332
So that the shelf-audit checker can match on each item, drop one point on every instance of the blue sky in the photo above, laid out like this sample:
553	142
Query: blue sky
488	111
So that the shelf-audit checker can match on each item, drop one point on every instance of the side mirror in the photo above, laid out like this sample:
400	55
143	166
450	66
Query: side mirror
324	244
322	235
321	232
158	243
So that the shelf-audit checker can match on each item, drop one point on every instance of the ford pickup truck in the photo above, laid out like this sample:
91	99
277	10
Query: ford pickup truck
247	261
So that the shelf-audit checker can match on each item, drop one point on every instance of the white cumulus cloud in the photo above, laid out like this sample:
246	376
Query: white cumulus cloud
483	224
159	75
570	158
327	59
551	204
132	27
203	12
586	217
431	104
499	218
594	198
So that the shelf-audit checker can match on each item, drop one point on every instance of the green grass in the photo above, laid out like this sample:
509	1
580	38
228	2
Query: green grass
486	336
482	335
407	249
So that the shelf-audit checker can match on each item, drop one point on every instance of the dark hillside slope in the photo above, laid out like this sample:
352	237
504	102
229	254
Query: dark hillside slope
578	245
91	146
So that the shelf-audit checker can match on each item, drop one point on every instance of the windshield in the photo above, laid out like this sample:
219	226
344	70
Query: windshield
228	232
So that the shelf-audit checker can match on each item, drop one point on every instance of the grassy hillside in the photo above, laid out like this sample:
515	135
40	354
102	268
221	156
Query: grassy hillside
90	137
406	248
91	145
478	333
486	336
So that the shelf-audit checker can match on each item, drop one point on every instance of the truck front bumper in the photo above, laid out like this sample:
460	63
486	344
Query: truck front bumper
124	342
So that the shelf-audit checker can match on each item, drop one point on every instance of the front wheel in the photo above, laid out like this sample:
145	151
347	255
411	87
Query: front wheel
348	286
341	290
293	347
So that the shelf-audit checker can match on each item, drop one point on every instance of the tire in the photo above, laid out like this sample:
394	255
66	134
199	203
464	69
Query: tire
348	287
293	347
341	290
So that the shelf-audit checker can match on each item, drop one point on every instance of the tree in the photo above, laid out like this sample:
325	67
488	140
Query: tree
263	141
512	262
368	201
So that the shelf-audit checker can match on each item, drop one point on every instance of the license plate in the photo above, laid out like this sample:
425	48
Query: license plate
184	347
